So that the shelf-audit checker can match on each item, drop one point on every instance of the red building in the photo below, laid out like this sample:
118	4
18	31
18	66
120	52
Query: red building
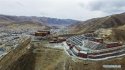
92	50
113	44
42	33
99	40
57	40
82	54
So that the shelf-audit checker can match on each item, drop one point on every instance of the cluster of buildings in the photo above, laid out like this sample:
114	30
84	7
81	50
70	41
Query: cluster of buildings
88	46
10	40
46	34
40	34
57	40
91	47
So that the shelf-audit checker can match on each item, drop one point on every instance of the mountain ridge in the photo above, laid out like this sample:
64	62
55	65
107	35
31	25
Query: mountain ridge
96	23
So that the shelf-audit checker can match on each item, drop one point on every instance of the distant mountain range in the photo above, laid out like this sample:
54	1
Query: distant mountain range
115	22
42	20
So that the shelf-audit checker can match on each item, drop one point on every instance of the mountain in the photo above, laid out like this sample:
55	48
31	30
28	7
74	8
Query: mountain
112	21
42	20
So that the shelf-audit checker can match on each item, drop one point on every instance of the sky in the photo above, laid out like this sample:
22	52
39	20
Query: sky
64	9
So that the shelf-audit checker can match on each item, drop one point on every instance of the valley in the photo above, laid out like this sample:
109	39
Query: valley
28	43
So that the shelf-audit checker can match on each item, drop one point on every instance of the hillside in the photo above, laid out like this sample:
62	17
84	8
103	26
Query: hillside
112	21
46	58
118	33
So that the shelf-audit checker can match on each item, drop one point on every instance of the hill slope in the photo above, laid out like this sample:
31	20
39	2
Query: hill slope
96	23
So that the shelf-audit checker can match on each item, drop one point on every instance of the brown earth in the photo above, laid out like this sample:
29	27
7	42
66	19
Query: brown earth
25	62
44	58
112	21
